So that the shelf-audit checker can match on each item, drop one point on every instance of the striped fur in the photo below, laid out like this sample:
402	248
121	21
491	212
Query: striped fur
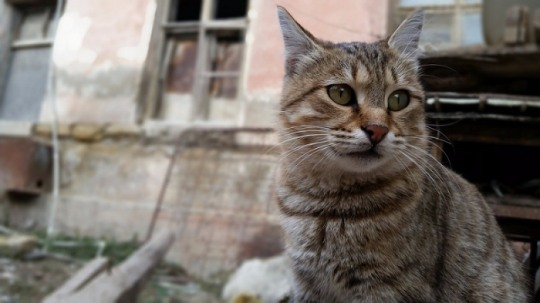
388	226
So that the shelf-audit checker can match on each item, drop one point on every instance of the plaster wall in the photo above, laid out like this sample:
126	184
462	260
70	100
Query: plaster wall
337	21
98	54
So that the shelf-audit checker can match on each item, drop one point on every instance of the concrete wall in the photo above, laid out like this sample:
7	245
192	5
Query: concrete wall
219	199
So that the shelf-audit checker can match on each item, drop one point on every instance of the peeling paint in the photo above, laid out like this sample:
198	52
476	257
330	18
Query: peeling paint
107	81
138	53
72	29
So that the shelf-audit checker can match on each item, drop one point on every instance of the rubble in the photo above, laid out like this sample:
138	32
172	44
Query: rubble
16	245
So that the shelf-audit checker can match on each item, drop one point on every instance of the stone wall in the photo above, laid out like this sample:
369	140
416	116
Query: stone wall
218	200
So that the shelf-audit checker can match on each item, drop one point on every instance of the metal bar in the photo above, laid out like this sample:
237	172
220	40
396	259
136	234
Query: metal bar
478	116
163	188
477	95
488	101
51	84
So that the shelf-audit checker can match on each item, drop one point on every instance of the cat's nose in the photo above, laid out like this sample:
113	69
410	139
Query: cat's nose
375	133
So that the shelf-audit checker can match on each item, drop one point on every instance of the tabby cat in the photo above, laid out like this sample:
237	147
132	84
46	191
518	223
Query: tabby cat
368	214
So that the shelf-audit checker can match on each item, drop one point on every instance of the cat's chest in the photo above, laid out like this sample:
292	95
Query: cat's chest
350	257
338	236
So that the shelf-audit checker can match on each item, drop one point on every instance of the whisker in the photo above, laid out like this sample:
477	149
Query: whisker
298	148
422	161
306	156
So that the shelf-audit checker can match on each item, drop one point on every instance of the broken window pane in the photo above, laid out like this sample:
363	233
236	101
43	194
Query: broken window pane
180	75
226	9
187	10
181	69
224	75
225	65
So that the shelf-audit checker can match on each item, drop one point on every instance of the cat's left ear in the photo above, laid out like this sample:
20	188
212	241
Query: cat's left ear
405	38
299	43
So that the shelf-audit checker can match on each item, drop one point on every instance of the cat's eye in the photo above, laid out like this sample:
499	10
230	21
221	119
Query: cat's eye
398	100
342	94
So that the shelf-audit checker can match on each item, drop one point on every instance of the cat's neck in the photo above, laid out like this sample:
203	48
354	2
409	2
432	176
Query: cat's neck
320	177
346	195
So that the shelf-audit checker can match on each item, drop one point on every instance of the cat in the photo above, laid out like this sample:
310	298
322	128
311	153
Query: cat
368	215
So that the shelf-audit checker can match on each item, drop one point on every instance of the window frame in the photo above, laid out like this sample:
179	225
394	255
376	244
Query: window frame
165	32
13	12
398	13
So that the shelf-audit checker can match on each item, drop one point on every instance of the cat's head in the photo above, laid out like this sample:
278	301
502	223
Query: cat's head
352	106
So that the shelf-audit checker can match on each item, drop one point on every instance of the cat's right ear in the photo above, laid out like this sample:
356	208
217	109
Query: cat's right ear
299	43
406	37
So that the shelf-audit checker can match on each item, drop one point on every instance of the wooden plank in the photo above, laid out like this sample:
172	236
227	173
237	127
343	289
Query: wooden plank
123	282
79	280
149	90
181	27
238	24
502	70
479	129
515	206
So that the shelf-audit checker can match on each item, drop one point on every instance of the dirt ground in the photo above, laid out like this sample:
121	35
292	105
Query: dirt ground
30	281
22	281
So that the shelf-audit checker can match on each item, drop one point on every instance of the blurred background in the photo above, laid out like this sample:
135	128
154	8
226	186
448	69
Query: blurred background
122	118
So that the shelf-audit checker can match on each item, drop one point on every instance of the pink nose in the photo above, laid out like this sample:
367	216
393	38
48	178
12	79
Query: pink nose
375	133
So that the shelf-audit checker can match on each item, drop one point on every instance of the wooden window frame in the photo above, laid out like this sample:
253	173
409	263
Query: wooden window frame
10	42
47	41
151	94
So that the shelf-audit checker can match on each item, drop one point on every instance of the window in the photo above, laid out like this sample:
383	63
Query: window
448	23
24	82
202	60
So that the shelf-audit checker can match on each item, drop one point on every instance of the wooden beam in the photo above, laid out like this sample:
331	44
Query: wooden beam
498	70
149	90
122	283
79	280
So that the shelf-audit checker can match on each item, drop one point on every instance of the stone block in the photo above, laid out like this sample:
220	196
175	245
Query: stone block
122	130
44	129
16	245
87	132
